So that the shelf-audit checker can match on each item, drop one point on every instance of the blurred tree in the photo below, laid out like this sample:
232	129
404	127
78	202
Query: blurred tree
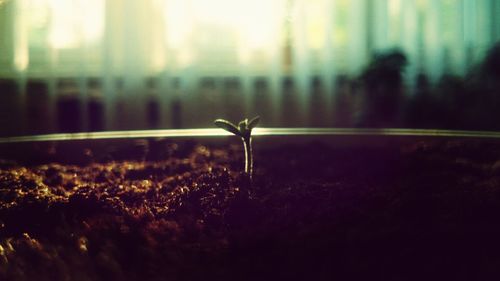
383	83
484	83
490	68
421	110
453	103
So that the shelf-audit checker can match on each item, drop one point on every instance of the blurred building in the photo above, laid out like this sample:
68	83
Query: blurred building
127	64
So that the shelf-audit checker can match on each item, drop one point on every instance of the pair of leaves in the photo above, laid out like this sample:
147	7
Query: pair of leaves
243	129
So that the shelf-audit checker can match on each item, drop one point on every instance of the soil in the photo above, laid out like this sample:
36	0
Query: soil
165	210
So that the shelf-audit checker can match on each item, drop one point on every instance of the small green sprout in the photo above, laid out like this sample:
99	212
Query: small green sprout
243	130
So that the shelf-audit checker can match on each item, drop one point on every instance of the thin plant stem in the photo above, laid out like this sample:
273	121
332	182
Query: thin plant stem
244	130
247	144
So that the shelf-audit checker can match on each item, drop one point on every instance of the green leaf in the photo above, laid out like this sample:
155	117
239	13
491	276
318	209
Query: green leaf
243	126
252	123
228	126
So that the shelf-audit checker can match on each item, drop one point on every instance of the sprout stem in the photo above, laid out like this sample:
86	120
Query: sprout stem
247	144
243	130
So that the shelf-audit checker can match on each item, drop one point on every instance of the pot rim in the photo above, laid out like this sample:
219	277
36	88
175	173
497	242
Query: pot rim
258	132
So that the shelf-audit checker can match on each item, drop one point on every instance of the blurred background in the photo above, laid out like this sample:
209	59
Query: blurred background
93	65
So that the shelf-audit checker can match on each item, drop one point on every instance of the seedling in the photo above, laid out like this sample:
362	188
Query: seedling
243	130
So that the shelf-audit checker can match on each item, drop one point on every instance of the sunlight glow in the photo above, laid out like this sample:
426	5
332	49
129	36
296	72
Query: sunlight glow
252	23
316	27
21	55
178	23
242	37
75	23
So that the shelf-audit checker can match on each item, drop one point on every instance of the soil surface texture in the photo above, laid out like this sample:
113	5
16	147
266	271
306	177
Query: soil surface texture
182	210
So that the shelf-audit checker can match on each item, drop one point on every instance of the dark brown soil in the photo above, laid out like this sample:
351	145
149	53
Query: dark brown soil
157	210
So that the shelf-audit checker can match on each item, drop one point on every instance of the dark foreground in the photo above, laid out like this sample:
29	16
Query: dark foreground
426	210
